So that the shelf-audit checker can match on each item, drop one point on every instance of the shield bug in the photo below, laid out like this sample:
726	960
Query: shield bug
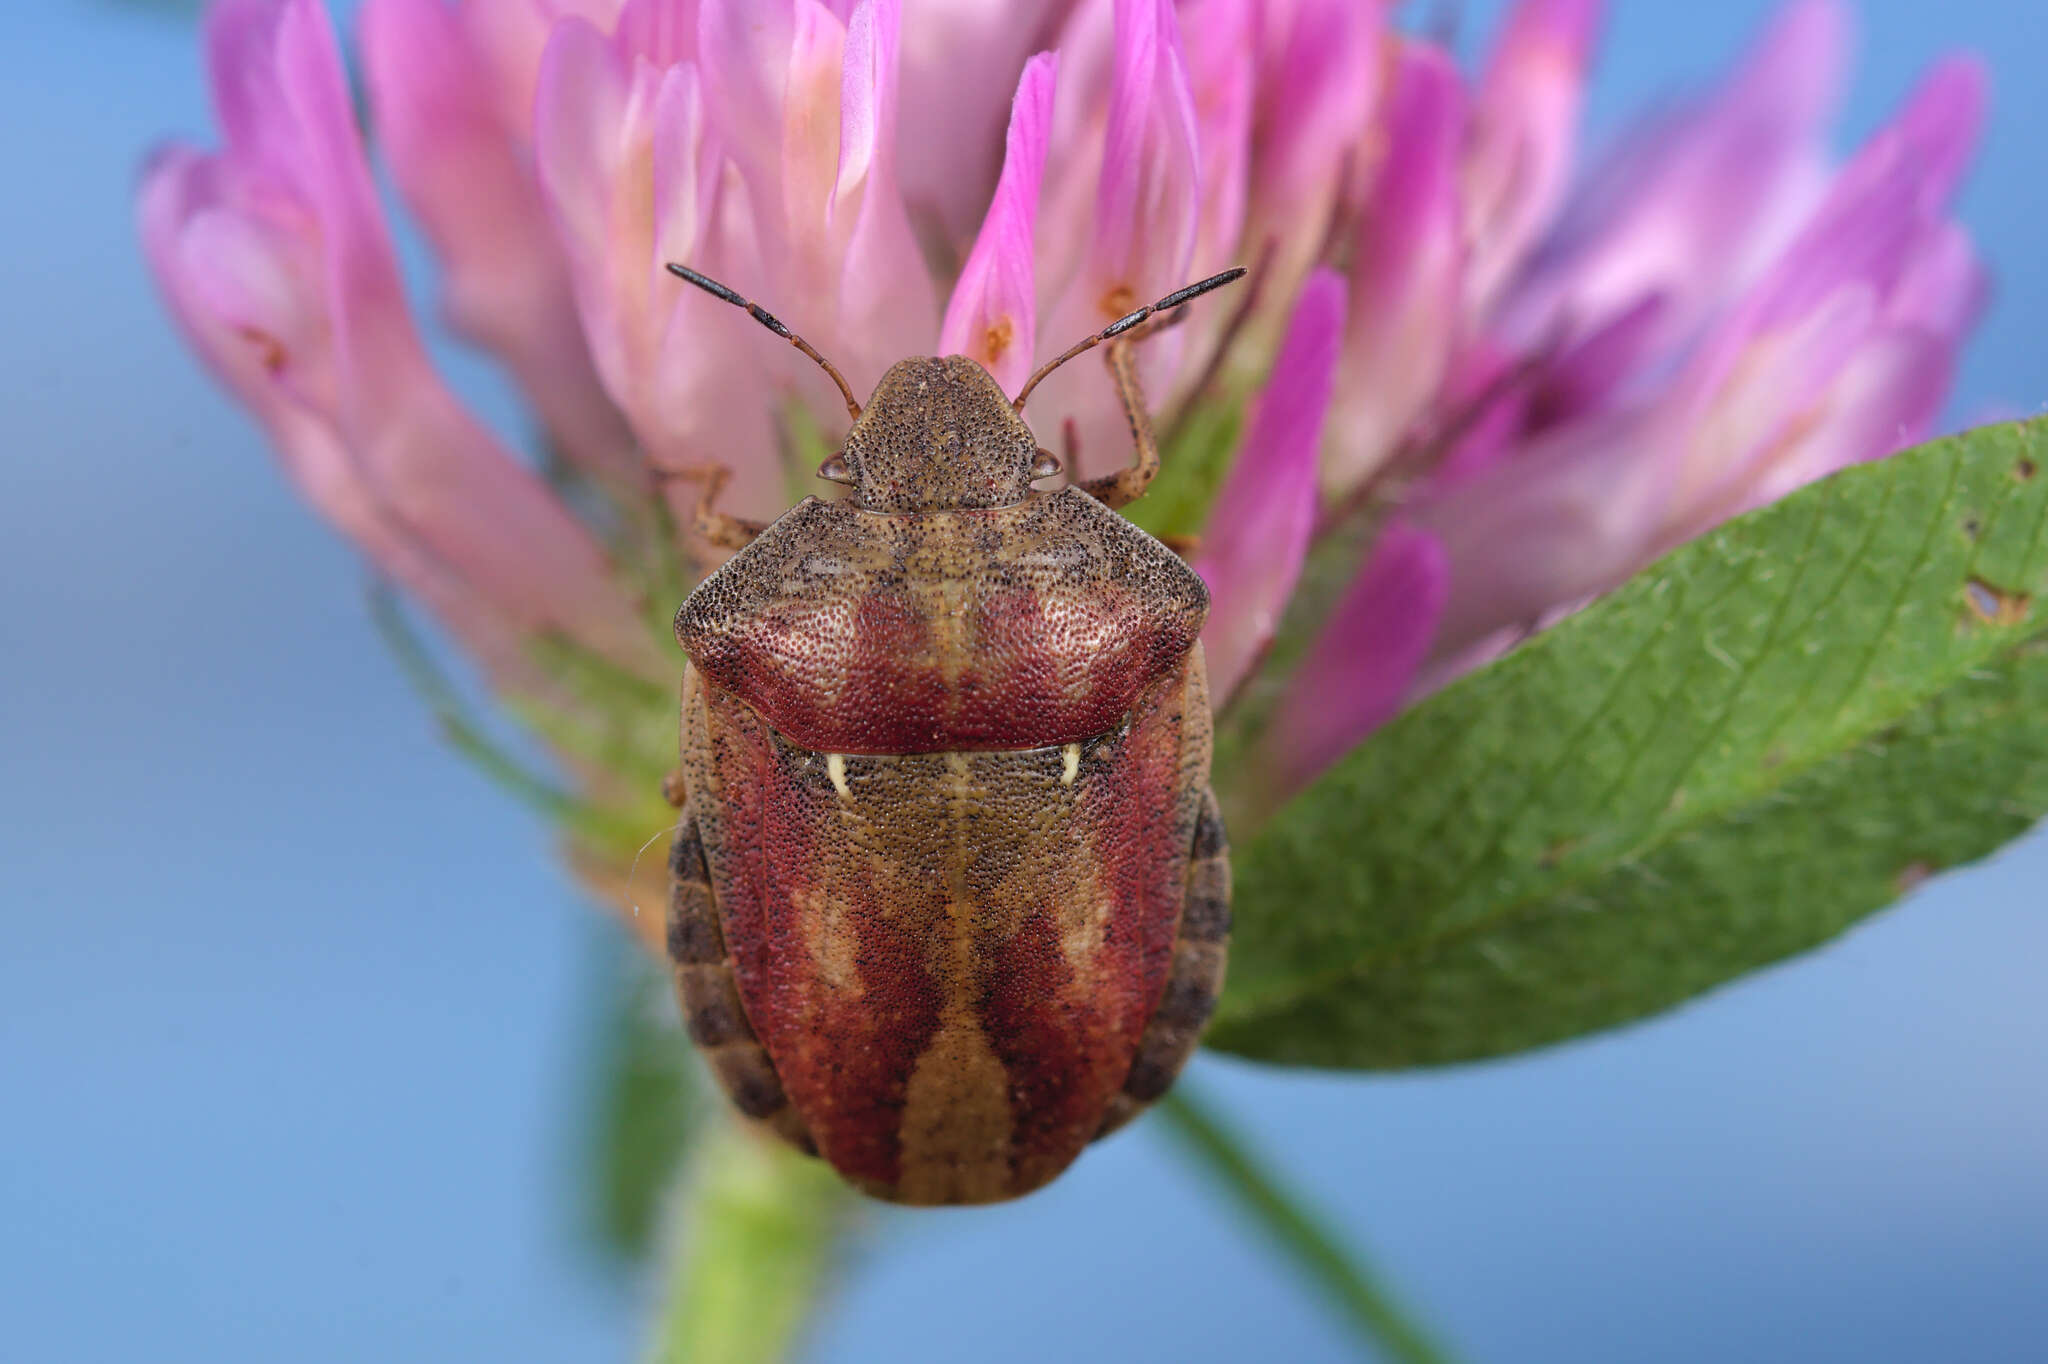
951	896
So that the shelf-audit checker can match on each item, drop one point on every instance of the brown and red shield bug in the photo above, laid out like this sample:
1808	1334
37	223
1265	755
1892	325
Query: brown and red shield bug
951	896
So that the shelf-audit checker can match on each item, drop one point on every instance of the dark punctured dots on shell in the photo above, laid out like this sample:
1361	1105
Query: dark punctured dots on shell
951	894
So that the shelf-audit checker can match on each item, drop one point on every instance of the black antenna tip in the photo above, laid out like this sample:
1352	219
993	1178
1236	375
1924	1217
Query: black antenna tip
1126	322
707	284
770	321
1200	287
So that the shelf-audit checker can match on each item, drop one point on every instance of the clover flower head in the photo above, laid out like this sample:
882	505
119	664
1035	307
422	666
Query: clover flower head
1475	379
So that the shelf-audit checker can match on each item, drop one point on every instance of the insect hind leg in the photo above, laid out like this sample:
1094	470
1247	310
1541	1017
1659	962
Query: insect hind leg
710	998
1200	950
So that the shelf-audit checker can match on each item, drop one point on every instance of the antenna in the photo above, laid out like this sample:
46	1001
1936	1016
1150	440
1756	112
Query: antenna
774	324
1118	327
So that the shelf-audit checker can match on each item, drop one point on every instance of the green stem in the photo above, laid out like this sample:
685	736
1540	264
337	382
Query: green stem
752	1240
1365	1304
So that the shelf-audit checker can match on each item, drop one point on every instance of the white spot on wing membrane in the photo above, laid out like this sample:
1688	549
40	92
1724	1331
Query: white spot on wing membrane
835	768
1070	763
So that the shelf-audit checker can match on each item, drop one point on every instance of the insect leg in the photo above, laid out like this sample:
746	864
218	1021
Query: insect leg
710	997
1200	950
1128	484
727	532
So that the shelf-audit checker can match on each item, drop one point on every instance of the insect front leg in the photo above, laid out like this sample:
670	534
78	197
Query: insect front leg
1186	546
1128	484
726	532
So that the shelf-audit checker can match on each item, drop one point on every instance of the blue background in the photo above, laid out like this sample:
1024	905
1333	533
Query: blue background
294	1009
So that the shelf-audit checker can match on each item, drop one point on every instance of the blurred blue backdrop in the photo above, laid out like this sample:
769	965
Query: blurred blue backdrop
294	1008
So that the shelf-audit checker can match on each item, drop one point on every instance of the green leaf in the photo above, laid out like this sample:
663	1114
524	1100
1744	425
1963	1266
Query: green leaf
1771	733
754	1235
1380	1323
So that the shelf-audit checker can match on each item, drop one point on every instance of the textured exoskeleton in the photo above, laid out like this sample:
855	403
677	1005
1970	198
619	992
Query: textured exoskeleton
951	894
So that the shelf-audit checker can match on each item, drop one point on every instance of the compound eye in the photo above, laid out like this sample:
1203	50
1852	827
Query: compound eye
834	470
1044	465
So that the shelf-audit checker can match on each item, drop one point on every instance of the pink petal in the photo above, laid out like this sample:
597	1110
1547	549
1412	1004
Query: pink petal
867	95
1322	67
771	72
887	304
1695	205
510	37
814	102
1357	674
1122	196
1837	351
993	313
189	236
1407	272
1869	226
1599	364
1739	411
1883	399
235	283
660	32
248	100
1944	287
712	374
1087	56
224	279
291	71
582	148
1524	124
687	162
1571	514
1139	225
1487	420
261	283
806	106
463	174
311	331
773	77
1147	200
1760	372
1222	55
959	59
1252	555
744	50
630	171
